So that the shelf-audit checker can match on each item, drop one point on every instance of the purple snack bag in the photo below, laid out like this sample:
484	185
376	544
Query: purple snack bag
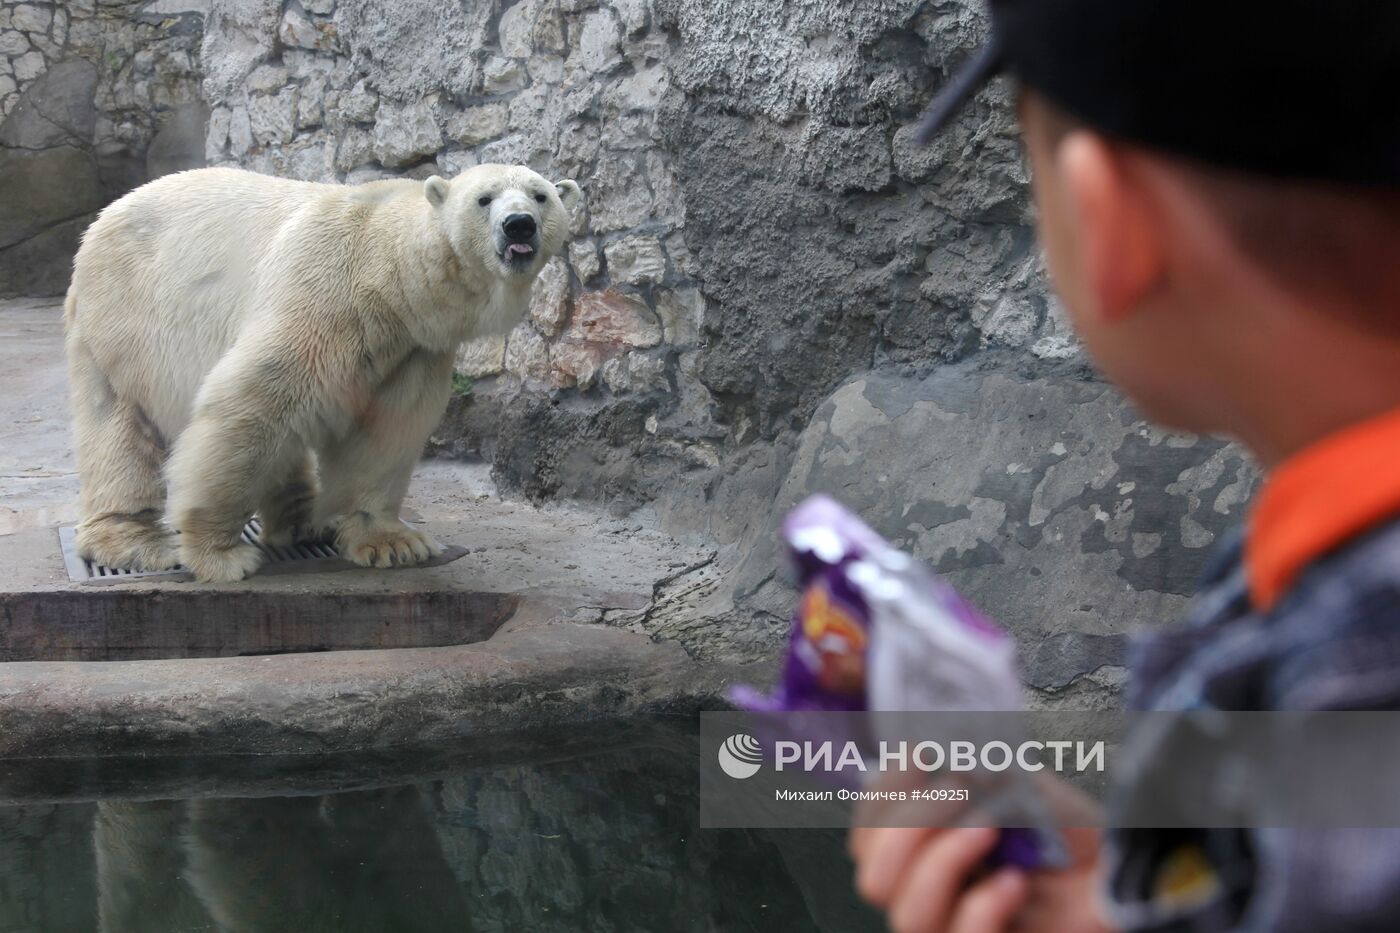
826	659
877	631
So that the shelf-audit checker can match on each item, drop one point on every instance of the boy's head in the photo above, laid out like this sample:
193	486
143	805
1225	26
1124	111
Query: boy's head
1217	250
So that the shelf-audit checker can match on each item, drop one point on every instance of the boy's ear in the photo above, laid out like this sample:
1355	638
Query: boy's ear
435	190
569	193
1120	242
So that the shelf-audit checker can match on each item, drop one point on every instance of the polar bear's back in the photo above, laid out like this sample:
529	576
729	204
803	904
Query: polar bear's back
163	281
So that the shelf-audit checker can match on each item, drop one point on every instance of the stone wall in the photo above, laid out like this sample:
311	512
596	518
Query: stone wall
771	291
358	91
95	98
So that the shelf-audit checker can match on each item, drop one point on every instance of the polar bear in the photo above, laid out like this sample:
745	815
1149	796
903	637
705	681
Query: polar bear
242	344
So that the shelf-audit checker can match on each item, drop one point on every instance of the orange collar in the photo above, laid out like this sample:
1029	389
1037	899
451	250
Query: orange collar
1319	498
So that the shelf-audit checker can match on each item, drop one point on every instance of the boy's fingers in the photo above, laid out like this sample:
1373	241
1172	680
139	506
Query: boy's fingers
885	857
989	906
929	889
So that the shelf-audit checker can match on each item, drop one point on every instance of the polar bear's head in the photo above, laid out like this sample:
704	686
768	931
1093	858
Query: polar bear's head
505	217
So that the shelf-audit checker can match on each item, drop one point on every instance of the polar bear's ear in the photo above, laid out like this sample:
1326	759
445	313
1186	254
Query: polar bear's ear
435	190
569	193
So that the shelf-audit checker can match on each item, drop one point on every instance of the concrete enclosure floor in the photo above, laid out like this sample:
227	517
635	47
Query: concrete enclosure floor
38	478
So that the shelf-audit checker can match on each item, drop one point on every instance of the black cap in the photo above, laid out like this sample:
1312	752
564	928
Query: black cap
1304	89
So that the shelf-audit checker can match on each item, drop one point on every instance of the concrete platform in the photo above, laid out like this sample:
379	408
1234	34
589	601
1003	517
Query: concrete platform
317	704
521	563
316	664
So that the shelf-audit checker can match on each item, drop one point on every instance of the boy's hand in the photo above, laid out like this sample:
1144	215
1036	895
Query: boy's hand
931	880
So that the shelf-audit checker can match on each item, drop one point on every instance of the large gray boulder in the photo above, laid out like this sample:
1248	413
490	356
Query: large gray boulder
50	181
47	198
42	188
42	264
1046	501
56	110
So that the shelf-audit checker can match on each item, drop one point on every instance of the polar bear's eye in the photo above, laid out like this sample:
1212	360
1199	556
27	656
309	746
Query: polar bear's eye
540	198
484	200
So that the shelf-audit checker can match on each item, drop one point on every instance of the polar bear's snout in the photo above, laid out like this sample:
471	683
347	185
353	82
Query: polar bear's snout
517	230
521	233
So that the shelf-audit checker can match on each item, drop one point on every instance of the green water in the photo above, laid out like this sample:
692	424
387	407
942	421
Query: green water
592	830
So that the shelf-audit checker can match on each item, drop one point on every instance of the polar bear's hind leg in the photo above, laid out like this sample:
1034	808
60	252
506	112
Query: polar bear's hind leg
119	456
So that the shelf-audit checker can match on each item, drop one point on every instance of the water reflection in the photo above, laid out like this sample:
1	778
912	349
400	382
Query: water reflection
601	842
355	862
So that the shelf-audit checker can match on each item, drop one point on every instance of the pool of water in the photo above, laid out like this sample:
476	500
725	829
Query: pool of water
594	829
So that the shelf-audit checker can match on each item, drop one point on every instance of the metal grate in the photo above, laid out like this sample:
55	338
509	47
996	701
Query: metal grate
298	558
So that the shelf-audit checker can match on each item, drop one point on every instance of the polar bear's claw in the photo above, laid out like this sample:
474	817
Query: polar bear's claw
394	545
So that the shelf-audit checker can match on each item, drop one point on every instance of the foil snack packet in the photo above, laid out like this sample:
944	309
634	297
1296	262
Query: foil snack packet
877	631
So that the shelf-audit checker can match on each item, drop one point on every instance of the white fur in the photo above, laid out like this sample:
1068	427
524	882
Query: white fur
236	337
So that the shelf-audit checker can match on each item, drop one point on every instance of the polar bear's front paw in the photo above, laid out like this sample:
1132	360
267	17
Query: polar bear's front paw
221	565
383	544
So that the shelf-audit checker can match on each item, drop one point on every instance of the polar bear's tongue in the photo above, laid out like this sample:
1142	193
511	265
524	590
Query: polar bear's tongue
519	249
